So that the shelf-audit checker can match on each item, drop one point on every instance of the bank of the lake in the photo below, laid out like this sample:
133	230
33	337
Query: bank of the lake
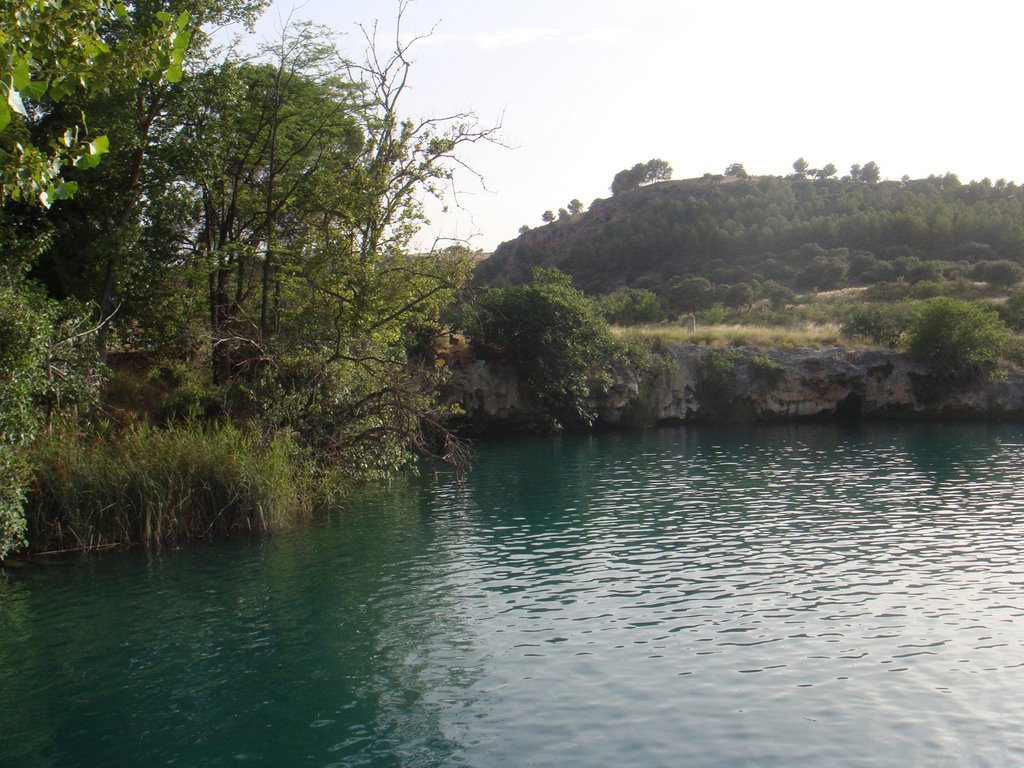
693	383
789	595
164	486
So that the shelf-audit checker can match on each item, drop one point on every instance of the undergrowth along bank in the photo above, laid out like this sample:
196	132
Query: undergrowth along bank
161	485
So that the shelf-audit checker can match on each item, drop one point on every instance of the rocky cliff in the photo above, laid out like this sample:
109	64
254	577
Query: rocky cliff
692	383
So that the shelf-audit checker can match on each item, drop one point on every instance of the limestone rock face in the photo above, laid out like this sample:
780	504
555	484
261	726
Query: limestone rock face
491	394
695	383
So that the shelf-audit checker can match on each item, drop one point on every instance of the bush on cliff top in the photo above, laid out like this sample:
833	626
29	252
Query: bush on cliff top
553	336
955	337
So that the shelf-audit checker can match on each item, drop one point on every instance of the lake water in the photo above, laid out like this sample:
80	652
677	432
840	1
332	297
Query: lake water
784	596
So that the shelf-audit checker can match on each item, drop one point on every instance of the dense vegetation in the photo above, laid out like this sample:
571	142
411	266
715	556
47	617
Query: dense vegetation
554	337
196	234
766	232
212	317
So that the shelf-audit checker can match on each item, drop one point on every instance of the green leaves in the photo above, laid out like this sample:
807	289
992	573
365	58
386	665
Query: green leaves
955	337
553	336
52	48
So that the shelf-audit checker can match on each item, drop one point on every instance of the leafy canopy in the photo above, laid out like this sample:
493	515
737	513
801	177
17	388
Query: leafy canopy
955	337
52	49
553	336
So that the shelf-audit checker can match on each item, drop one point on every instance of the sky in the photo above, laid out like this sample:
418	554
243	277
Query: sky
585	88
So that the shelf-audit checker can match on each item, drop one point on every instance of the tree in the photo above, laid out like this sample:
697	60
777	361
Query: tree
778	296
870	173
53	49
1002	273
656	170
548	216
23	335
555	339
738	296
690	294
652	171
627	179
1012	311
364	299
131	107
262	145
826	173
575	207
736	170
524	229
800	167
824	272
955	337
629	306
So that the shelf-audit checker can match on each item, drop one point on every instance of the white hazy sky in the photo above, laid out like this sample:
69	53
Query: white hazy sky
584	88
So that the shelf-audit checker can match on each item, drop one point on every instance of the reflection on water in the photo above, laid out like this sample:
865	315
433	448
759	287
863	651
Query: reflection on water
785	596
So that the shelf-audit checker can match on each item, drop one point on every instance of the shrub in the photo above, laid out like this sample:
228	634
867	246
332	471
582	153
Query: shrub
1012	311
884	324
23	338
765	369
718	371
553	336
887	291
1000	274
629	306
955	337
713	315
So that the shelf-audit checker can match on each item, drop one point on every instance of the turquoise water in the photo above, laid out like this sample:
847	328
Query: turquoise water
790	596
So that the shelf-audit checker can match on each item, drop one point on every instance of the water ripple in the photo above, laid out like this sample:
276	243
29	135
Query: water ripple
792	596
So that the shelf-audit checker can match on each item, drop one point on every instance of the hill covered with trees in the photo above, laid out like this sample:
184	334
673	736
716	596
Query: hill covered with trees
803	232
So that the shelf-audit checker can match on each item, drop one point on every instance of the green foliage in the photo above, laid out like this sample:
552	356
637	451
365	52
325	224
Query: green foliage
640	174
1002	274
629	306
713	315
158	486
553	336
717	375
24	334
883	324
737	171
765	369
732	229
690	294
778	296
362	418
48	366
254	216
1012	311
739	296
955	337
23	340
53	49
823	273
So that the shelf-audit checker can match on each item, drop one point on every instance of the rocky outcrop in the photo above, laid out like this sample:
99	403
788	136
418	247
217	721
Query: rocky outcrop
693	383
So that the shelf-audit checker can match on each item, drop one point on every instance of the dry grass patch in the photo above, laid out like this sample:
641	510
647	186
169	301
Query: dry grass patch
808	335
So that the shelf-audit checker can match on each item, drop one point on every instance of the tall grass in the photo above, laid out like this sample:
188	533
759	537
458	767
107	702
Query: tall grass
154	486
808	335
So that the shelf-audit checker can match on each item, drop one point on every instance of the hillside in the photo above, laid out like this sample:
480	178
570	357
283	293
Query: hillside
804	234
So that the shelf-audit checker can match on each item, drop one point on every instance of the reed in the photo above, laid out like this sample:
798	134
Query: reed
159	485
